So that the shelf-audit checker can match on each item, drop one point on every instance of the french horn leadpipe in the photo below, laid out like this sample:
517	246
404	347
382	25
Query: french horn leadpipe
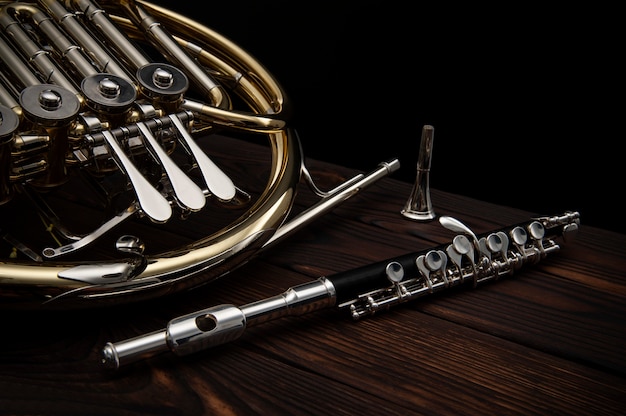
468	259
113	105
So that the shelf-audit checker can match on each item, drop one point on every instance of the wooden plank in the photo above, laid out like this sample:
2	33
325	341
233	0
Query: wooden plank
547	340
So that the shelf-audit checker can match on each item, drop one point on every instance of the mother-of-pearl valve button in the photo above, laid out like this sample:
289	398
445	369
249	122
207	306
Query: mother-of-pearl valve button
536	230
394	272
519	236
494	243
462	244
434	260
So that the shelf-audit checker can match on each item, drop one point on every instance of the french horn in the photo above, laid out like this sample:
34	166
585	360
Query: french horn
108	114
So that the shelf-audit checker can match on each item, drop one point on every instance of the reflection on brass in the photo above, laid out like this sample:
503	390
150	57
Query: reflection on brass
120	99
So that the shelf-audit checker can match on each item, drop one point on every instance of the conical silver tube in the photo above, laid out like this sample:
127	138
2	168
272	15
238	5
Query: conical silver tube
419	206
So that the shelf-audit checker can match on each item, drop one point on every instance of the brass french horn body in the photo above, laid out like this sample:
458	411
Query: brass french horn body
109	117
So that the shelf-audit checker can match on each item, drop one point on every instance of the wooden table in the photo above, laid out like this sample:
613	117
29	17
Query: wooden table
550	339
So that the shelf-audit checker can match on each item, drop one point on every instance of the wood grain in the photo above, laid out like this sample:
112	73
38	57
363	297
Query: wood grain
547	340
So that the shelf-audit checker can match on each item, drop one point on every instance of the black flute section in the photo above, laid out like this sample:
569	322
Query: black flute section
352	283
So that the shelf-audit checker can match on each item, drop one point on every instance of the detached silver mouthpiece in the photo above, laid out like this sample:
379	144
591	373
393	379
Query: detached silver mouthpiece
419	207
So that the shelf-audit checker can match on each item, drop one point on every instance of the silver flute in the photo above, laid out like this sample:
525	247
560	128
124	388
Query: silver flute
365	290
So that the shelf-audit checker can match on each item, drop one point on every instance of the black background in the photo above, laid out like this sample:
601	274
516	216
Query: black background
525	101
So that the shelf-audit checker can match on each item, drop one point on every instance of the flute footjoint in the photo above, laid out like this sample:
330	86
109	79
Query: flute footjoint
363	291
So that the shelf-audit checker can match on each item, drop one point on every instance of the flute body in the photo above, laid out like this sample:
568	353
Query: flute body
365	290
